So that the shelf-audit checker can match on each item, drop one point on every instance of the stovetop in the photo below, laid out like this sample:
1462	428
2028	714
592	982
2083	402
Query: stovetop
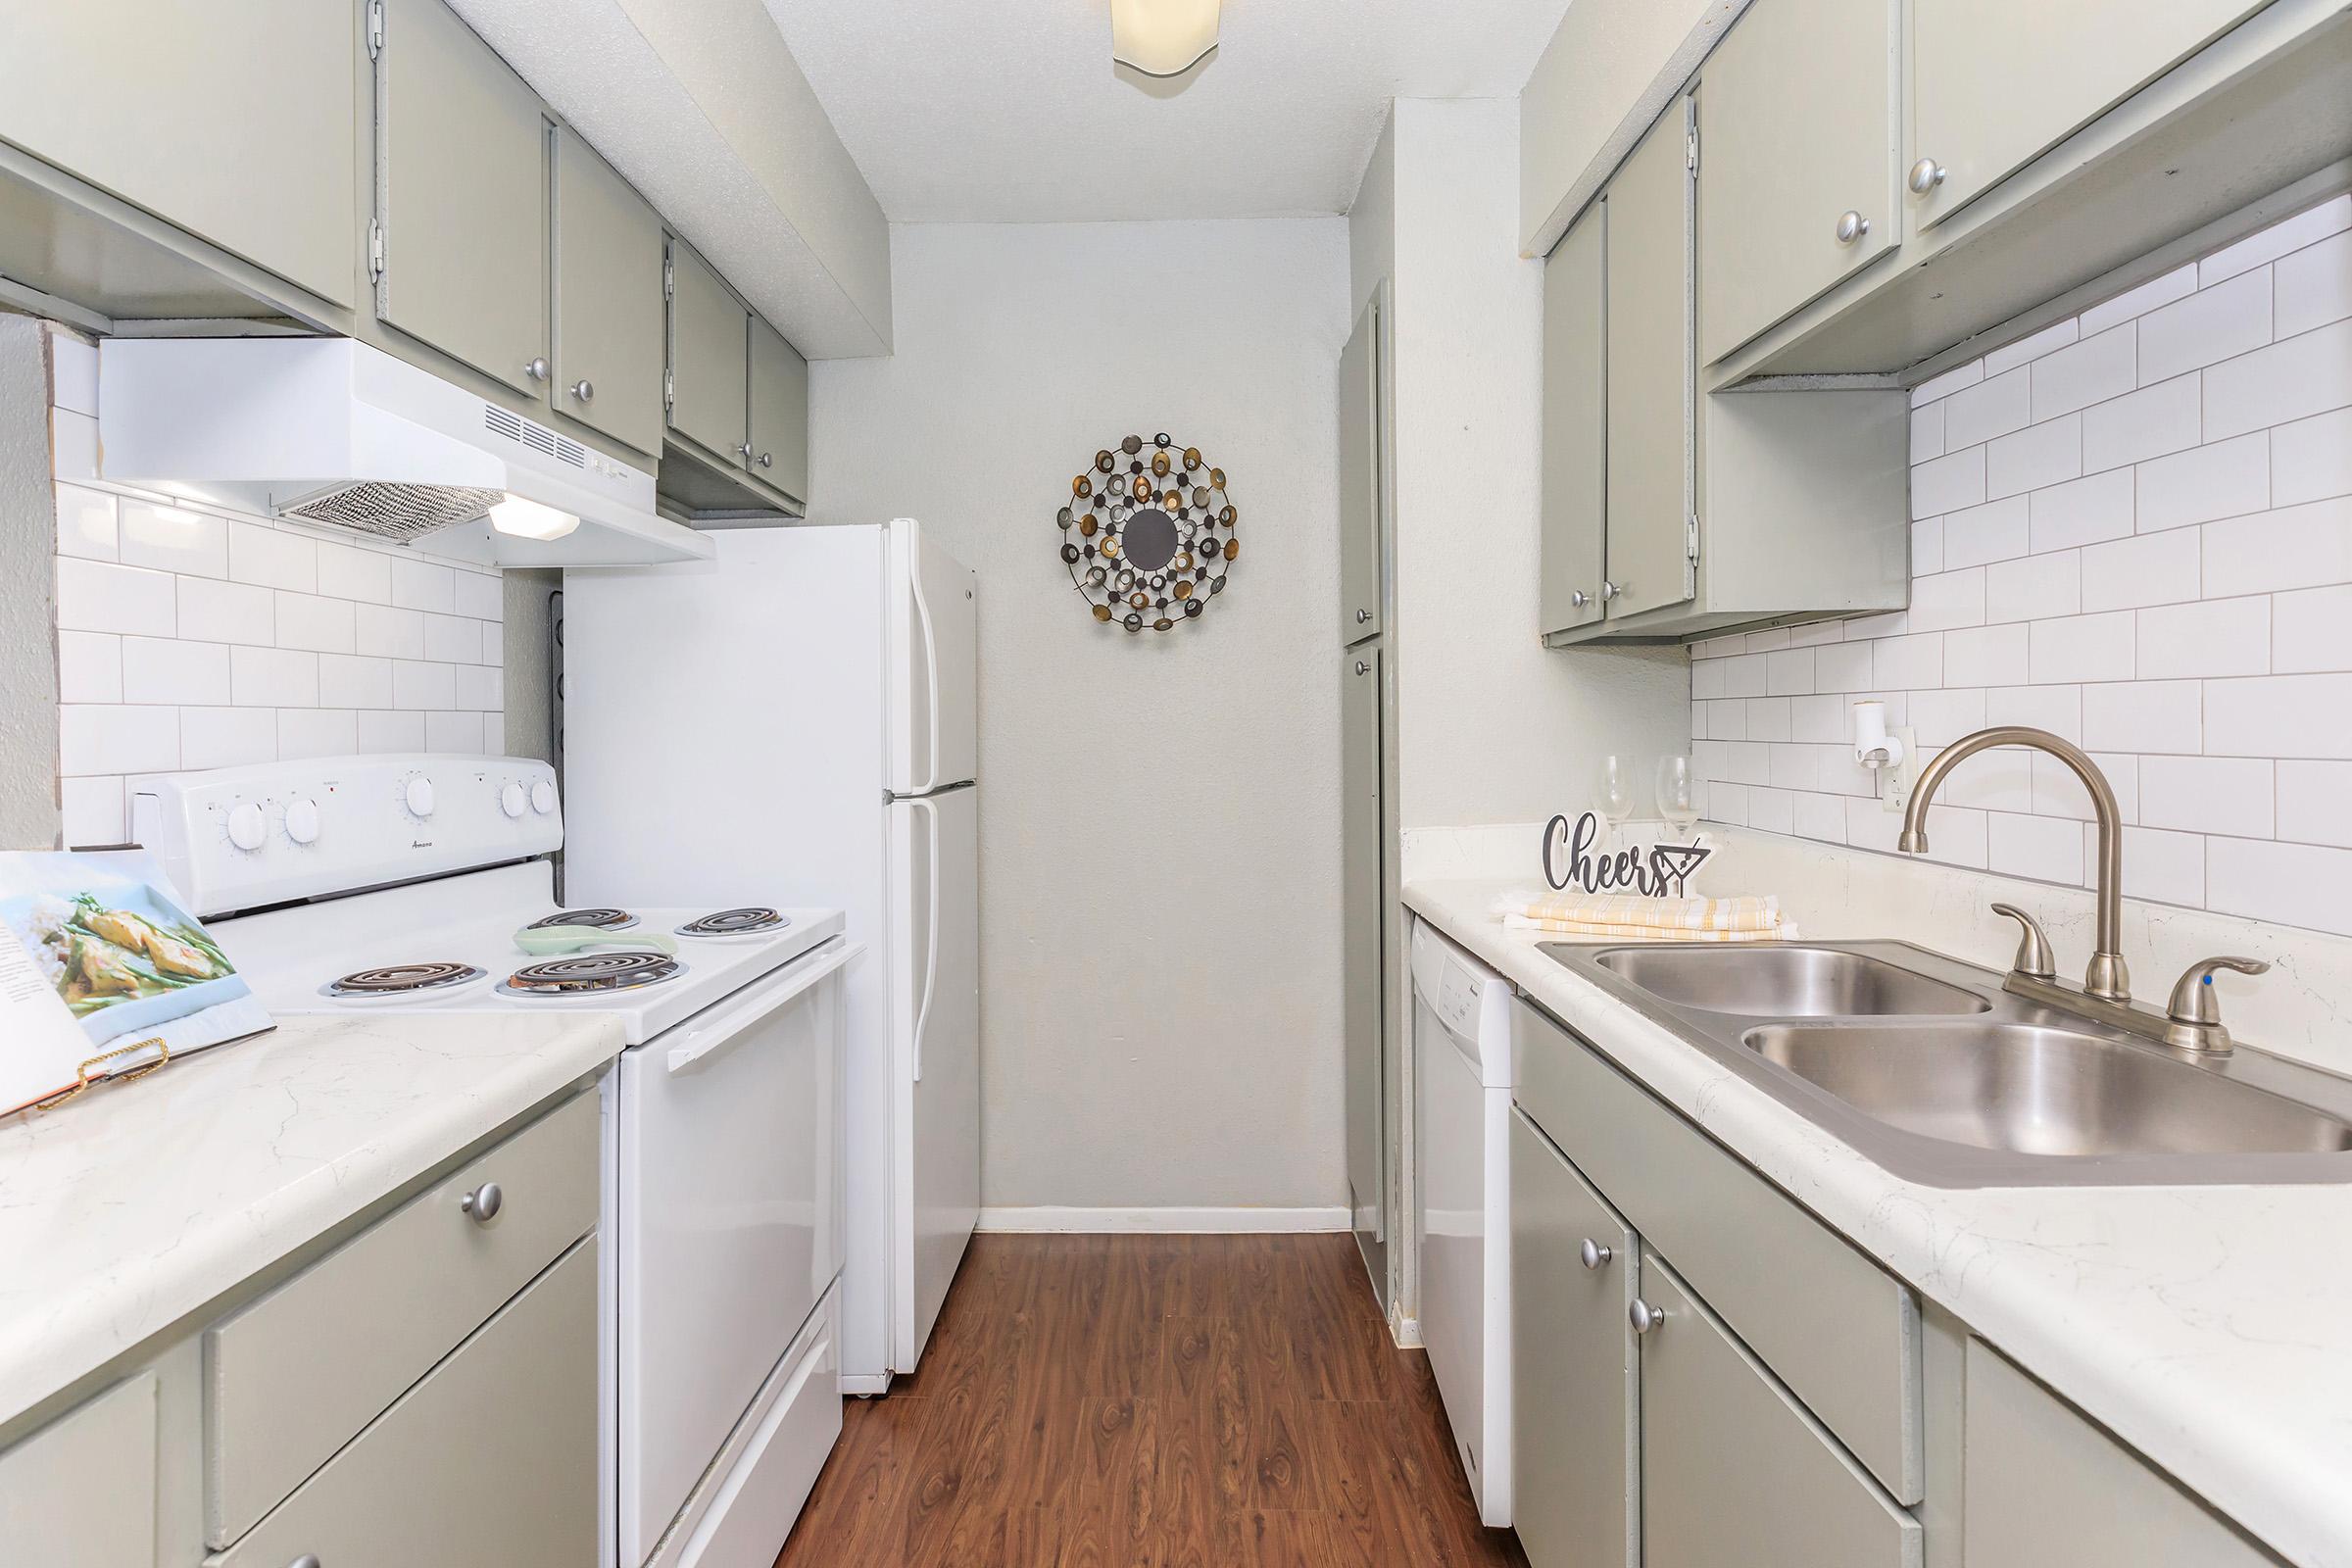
455	936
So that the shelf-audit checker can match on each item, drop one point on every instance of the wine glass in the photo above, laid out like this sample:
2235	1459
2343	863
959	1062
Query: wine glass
1616	791
1678	793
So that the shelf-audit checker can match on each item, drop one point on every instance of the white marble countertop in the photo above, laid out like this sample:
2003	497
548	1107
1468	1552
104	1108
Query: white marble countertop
2208	1326
123	1213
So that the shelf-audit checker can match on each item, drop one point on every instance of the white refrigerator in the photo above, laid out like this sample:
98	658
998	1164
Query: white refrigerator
792	722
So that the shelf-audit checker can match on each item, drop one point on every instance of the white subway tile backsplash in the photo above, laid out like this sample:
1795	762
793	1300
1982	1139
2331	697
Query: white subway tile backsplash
321	732
72	444
348	573
383	632
271	558
168	669
424	686
89	667
274	677
73	373
225	611
2151	556
2210	325
451	639
319	624
98	596
384	731
93	811
423	585
453	732
2226	479
481	688
227	737
479	596
350	682
85	523
94	739
172	539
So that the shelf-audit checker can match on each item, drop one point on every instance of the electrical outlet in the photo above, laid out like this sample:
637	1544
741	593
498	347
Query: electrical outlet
1895	792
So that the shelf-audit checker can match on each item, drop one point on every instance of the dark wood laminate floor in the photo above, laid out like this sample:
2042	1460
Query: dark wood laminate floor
1152	1401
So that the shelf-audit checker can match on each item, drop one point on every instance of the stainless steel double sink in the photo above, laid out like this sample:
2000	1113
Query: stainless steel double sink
1928	1067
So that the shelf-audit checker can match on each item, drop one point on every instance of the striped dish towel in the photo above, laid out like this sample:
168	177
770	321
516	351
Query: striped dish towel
1624	915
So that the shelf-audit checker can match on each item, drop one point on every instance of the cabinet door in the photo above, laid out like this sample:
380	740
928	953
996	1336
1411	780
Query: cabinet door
1734	1470
709	358
1359	479
779	412
1576	413
1796	150
1360	930
462	168
607	349
1575	1480
80	1492
2046	1489
233	121
1648	261
1996	83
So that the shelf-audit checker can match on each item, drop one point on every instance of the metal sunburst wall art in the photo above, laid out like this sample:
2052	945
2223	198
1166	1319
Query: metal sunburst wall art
1148	534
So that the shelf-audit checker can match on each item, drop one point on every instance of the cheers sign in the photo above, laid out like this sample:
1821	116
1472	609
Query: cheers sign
1660	871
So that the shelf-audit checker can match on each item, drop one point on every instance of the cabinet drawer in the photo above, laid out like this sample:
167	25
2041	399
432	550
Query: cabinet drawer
1839	1330
489	1462
1734	1471
2046	1489
82	1492
290	1378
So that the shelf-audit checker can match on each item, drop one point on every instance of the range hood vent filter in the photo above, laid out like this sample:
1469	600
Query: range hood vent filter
397	512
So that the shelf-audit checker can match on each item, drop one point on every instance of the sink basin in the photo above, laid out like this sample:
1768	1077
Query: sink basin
2032	1090
1785	982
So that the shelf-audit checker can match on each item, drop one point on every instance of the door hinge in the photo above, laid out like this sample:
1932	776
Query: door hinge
669	278
1690	536
376	28
1692	161
375	247
669	390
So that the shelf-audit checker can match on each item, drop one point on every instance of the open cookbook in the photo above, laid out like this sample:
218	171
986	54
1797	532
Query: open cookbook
103	977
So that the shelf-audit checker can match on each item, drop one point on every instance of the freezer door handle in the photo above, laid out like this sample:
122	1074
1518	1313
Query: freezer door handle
923	1008
719	1030
922	618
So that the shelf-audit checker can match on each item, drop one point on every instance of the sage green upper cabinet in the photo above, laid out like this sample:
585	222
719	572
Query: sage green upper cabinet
1996	83
1796	160
462	166
1359	479
1576	390
779	412
1649	373
234	123
710	357
608	348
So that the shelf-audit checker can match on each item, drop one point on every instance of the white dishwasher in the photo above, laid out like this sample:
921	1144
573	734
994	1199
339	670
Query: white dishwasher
1462	1071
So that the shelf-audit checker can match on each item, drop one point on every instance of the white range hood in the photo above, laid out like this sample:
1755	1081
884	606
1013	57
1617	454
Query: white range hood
334	433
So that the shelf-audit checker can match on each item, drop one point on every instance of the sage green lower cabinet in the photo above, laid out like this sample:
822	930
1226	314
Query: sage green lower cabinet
461	174
1576	1464
1361	931
1734	1470
2046	1489
779	414
608	283
1359	479
489	1459
80	1492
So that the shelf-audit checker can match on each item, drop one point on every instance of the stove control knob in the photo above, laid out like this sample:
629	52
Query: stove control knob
543	797
510	800
247	826
418	795
302	821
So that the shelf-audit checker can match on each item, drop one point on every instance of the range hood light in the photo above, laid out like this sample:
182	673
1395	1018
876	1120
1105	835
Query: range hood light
525	518
1163	37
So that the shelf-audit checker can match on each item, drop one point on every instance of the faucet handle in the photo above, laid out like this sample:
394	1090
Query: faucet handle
2193	999
2033	960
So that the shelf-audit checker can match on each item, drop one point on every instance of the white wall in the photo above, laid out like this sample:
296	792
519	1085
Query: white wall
2134	528
1493	727
1160	826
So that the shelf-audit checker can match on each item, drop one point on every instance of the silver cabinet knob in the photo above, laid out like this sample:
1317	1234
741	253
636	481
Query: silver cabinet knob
1593	1255
1362	668
1362	616
1925	175
308	1560
1579	599
1852	227
767	459
584	390
744	452
484	1202
1644	1316
1609	590
536	369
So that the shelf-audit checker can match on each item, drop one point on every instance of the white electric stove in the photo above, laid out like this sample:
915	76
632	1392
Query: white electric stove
420	885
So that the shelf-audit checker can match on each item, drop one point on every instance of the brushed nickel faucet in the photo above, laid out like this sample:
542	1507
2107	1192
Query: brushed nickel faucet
2193	1021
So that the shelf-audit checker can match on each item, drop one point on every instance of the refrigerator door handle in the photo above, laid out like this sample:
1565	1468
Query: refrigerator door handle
922	618
923	1008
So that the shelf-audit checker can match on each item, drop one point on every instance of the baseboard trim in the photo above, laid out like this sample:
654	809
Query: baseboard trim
1164	1221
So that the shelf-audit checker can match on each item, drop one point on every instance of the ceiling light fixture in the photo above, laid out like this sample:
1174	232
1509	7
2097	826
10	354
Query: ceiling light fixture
1163	37
523	519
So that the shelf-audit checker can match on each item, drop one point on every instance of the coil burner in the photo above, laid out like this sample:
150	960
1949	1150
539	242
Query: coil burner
591	974
600	919
746	922
392	982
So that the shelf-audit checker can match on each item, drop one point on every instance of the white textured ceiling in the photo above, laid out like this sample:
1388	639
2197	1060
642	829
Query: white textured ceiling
1010	110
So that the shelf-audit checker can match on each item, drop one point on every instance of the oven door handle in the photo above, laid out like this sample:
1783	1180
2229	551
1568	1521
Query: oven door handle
722	1029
